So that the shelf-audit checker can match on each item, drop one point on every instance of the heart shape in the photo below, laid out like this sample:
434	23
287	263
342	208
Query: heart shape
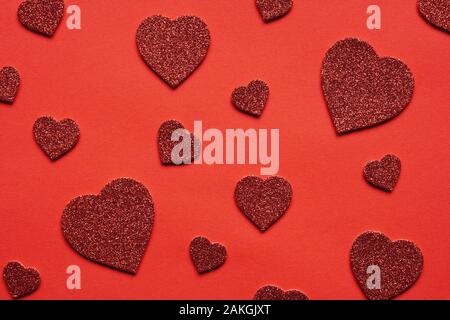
273	9
275	293
56	138
263	201
207	256
20	281
112	228
173	49
362	89
400	264
9	84
383	174
41	16
436	12
251	99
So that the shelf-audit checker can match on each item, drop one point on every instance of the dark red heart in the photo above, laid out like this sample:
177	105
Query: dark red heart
56	138
273	9
173	49
19	280
400	264
41	16
275	293
263	201
207	256
362	89
251	99
383	174
9	84
112	228
436	12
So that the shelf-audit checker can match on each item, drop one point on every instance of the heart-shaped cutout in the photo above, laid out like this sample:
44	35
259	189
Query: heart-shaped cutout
112	228
263	201
384	268
251	99
9	84
274	293
362	89
207	256
20	281
56	138
41	16
273	9
173	49
384	173
436	12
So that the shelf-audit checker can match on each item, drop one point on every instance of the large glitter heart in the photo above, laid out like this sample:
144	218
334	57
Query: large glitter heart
206	256
263	201
251	99
383	174
9	84
173	49
55	138
41	16
112	228
275	293
436	12
362	89
19	280
273	9
396	264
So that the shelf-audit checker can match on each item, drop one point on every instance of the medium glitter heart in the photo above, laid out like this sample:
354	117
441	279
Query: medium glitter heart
56	138
41	16
9	84
251	99
383	174
273	9
207	256
274	293
397	265
436	12
112	228
362	89
173	49
263	201
20	281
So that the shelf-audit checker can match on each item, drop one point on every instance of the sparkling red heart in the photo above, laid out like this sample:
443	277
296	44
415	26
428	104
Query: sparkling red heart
251	99
275	293
41	16
383	174
9	84
205	255
20	281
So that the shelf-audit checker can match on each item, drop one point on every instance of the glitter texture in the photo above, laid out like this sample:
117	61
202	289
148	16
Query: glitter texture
9	84
56	138
207	256
383	174
275	293
400	263
19	280
112	228
273	9
361	89
41	16
263	201
251	99
436	12
173	49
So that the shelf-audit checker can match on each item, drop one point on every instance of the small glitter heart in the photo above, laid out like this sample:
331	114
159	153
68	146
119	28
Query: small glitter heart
273	9
9	84
251	99
263	201
20	281
397	265
41	16
274	293
383	174
207	256
436	12
362	89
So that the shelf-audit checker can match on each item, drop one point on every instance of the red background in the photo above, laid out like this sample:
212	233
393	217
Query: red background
96	77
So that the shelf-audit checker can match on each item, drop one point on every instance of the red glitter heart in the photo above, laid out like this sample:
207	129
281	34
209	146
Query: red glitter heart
19	280
362	89
275	293
207	256
383	174
400	264
173	49
436	12
56	138
41	16
263	201
273	9
9	84
112	228
251	99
